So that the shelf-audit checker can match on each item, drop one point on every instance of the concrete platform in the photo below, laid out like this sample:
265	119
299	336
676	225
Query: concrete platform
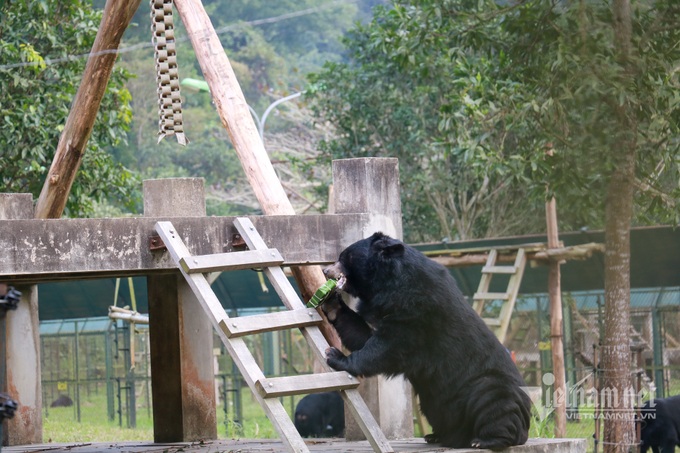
275	446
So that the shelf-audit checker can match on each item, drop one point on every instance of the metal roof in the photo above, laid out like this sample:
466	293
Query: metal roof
68	327
655	263
640	298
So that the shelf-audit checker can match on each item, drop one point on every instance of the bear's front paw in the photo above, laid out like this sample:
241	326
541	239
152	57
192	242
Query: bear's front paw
335	358
431	438
331	306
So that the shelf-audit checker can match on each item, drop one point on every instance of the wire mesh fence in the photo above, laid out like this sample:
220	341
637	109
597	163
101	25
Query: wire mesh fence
89	359
654	356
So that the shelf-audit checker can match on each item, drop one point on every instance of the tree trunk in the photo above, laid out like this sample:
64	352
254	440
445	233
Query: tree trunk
237	120
73	141
619	428
618	432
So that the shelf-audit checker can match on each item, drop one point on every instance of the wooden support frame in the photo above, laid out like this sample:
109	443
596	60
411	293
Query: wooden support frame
181	336
20	347
43	250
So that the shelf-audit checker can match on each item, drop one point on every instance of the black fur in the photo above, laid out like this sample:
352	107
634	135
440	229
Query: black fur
412	319
320	415
660	425
62	401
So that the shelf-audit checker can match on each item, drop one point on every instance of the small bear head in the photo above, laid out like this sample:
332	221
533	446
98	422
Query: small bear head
363	267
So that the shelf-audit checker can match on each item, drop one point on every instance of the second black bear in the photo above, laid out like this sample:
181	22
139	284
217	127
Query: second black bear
320	415
660	425
412	319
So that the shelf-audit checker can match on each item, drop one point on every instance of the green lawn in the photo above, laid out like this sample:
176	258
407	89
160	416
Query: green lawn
60	424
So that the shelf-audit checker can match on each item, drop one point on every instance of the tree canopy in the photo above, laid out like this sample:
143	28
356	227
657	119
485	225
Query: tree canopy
270	45
38	80
470	95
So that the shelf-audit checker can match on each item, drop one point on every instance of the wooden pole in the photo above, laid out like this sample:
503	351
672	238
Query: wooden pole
180	334
555	296
236	118
117	16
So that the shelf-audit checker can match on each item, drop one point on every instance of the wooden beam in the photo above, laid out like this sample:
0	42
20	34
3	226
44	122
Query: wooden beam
73	141
48	250
461	258
556	324
236	118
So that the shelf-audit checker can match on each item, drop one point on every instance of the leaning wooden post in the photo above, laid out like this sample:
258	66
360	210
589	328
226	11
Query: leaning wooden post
233	110
371	186
556	324
181	336
20	347
73	140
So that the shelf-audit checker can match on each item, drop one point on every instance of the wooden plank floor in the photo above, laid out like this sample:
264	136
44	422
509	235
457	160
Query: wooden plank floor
275	446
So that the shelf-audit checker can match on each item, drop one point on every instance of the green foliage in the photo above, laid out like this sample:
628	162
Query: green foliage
415	92
471	95
270	46
584	93
35	99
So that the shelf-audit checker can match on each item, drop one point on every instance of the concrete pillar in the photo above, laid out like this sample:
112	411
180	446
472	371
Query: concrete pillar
181	336
371	185
20	347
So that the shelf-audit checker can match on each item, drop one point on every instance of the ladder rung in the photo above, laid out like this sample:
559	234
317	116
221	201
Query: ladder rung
232	261
267	322
499	269
491	296
306	383
492	322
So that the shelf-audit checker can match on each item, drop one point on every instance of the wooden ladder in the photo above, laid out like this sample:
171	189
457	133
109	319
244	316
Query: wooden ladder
232	330
499	324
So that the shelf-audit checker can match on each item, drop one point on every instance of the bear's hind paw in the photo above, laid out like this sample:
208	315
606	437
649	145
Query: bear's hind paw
493	444
431	438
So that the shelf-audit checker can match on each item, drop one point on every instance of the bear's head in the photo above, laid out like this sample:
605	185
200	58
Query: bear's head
362	268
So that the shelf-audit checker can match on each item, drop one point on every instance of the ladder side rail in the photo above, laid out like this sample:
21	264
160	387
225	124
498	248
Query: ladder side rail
513	291
484	282
361	413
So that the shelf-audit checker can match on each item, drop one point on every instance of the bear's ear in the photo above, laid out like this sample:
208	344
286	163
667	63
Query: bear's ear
388	247
377	236
393	250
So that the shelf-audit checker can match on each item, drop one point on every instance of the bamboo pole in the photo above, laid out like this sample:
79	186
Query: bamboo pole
73	141
235	115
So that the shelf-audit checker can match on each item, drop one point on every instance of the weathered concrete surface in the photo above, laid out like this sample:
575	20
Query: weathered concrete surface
371	185
276	446
20	346
49	250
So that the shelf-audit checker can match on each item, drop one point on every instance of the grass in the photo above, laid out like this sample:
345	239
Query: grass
60	424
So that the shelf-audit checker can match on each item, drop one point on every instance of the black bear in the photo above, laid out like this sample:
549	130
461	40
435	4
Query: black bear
660	425
412	319
62	401
320	415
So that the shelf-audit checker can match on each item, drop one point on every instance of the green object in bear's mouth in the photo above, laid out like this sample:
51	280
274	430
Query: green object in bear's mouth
322	294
